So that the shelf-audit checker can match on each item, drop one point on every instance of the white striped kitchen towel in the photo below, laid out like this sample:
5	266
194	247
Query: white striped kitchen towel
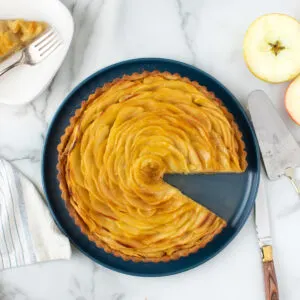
28	233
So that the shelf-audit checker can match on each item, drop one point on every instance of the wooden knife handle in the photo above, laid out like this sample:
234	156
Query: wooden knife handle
271	286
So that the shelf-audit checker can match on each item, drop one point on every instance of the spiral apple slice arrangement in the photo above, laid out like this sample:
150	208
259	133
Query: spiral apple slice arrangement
272	53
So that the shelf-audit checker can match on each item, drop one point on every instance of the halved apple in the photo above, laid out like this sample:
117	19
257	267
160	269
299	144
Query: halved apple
292	100
272	48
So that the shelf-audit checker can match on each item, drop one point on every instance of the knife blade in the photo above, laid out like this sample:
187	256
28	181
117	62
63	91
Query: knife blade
262	217
278	147
262	221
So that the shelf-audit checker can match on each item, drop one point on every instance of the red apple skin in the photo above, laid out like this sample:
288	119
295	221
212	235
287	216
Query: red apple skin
286	105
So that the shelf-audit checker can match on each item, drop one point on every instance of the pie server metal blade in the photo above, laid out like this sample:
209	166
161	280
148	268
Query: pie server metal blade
279	150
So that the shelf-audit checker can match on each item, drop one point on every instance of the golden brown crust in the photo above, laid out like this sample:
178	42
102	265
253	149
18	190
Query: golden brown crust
64	148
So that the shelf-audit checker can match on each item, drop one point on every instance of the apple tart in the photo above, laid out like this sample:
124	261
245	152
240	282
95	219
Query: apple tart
116	150
17	34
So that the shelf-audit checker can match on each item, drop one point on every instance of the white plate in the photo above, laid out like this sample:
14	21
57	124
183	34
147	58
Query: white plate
24	83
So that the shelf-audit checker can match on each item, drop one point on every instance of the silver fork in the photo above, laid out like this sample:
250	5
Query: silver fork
38	50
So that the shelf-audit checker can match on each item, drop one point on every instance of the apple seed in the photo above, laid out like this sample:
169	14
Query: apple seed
276	47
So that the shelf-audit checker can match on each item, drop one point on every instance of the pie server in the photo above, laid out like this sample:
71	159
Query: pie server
279	150
281	157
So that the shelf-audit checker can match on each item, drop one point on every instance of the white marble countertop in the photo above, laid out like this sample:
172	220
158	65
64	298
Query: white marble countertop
209	35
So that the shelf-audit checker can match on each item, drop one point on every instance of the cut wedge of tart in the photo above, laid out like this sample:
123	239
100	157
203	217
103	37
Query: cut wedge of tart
17	34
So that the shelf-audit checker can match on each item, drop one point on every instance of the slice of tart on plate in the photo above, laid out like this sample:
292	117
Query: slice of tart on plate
17	34
21	23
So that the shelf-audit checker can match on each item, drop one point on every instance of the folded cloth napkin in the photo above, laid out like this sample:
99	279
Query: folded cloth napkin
28	234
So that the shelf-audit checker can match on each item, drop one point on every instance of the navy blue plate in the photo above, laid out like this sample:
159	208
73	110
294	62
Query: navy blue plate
234	194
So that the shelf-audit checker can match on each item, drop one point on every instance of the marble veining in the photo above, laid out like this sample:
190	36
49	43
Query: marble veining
185	18
209	35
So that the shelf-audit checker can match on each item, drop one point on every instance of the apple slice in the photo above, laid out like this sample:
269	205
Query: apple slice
272	48
292	100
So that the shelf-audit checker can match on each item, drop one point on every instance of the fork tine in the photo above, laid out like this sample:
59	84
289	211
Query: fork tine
42	38
51	39
48	46
51	49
